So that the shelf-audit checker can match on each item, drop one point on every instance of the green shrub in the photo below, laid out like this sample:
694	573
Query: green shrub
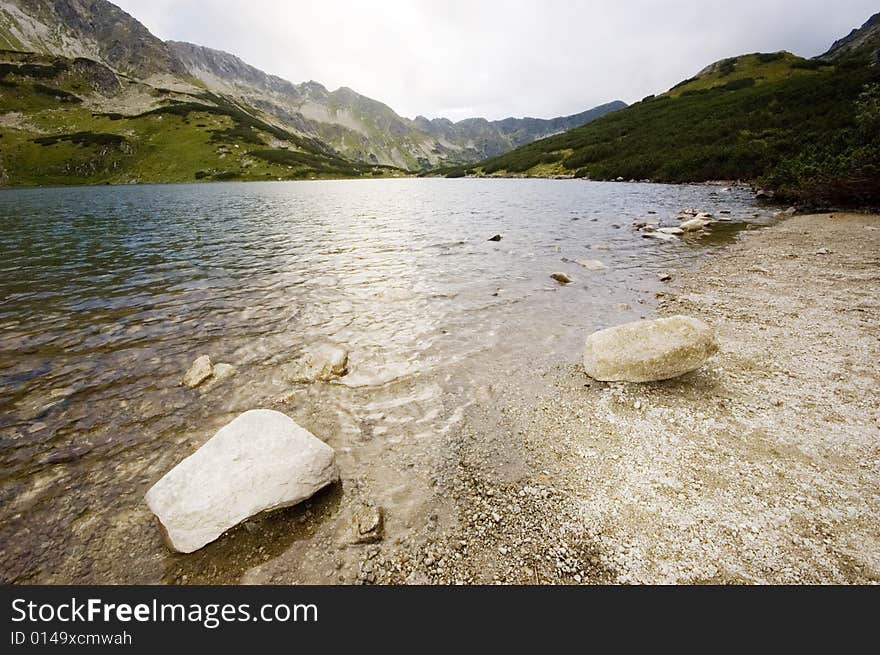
767	57
743	133
84	139
809	64
59	94
683	82
727	66
741	83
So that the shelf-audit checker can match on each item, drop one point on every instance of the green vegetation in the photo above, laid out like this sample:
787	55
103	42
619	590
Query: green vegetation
85	139
305	162
842	168
51	138
59	94
793	125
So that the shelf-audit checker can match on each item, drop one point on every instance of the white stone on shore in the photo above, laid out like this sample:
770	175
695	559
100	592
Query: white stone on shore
645	351
260	461
662	236
694	224
200	371
320	364
368	524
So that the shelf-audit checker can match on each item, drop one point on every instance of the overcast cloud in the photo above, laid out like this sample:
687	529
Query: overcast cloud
498	58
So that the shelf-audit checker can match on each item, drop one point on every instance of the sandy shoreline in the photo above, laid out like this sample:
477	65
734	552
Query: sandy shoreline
762	467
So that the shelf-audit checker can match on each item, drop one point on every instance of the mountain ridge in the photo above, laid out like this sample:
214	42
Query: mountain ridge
356	127
807	129
353	116
862	39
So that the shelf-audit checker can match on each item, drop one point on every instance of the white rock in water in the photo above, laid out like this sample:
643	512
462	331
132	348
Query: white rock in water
260	461
219	374
662	236
694	224
645	351
223	371
671	230
321	364
200	371
590	264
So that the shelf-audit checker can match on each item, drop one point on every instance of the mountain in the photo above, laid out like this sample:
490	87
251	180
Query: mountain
364	129
807	128
862	41
92	29
88	94
77	121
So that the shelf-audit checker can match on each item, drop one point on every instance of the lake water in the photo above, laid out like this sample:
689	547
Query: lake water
107	295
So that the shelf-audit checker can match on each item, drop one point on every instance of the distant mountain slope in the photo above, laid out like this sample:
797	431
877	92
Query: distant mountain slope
76	121
808	128
361	128
864	40
351	126
94	29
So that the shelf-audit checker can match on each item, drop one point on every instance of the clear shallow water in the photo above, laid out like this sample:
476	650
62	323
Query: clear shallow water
107	295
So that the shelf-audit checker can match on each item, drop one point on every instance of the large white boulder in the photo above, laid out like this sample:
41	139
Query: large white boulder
645	351
260	461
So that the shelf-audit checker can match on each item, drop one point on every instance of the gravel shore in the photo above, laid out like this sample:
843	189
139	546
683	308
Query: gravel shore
761	467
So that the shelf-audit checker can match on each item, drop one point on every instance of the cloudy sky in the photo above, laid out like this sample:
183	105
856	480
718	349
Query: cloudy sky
498	58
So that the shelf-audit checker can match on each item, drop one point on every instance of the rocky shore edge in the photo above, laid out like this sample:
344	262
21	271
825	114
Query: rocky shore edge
760	467
757	465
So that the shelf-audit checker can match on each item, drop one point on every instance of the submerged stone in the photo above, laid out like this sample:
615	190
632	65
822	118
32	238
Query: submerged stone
591	264
320	364
200	371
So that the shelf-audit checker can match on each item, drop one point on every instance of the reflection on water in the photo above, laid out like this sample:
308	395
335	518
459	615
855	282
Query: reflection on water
107	295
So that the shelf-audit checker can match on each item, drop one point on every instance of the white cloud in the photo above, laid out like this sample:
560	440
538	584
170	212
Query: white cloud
498	58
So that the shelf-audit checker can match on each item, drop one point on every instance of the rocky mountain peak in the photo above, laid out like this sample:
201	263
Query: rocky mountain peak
865	39
95	29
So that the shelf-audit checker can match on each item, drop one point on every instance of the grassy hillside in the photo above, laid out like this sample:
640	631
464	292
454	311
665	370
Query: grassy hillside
54	131
751	118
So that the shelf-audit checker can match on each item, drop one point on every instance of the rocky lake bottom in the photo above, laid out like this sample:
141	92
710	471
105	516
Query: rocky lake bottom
463	416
